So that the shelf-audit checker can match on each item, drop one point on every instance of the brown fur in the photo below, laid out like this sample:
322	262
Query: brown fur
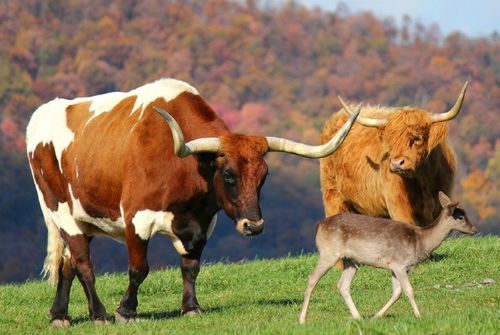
47	176
357	177
117	158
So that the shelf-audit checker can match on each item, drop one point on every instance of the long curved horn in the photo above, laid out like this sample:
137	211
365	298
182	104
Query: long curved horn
365	121
312	151
183	149
453	112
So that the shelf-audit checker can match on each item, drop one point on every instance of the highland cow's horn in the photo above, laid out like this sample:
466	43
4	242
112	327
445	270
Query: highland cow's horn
452	113
365	121
182	149
312	151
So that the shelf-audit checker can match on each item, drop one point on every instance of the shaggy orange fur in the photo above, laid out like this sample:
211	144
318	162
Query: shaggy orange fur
358	178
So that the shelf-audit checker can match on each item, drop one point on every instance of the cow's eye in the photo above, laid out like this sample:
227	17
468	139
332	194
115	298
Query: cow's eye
228	177
416	141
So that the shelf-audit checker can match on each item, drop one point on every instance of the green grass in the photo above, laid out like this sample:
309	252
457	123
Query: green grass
265	297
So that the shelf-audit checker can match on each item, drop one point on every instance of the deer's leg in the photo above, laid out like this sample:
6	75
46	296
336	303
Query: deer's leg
408	290
344	286
396	293
321	269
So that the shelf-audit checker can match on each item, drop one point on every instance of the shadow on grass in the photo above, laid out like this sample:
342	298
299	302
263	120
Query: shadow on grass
176	314
281	302
435	257
173	314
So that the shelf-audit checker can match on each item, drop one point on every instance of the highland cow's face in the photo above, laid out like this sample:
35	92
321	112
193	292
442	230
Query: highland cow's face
406	136
410	134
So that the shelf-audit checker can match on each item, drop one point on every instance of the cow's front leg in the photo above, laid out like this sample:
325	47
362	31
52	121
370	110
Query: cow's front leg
137	272
190	267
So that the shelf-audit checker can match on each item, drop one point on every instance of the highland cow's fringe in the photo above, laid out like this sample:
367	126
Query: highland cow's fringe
55	249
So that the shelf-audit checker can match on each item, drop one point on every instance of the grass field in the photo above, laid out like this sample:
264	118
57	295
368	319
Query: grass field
265	297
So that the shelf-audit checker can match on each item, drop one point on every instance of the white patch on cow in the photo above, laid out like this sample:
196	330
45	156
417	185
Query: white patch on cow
111	228
211	227
166	88
66	253
76	168
62	217
104	103
48	125
122	211
148	222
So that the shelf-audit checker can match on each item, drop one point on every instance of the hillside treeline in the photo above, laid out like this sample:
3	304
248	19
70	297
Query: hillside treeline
273	70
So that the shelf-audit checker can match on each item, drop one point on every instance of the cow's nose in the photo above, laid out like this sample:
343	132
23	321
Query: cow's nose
255	227
250	227
397	164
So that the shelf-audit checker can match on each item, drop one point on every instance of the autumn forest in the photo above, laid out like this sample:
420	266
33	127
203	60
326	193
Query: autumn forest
266	69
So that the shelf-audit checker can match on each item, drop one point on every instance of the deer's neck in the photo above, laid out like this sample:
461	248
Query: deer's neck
434	235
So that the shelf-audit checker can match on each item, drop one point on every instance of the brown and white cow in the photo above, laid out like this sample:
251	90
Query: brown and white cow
111	165
393	164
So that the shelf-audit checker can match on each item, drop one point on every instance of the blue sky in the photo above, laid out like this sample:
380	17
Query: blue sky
474	18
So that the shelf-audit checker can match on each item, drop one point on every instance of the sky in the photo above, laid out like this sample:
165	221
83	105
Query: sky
474	18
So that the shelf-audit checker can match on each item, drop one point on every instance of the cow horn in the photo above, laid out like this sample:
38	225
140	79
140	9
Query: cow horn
365	121
312	151
452	113
182	149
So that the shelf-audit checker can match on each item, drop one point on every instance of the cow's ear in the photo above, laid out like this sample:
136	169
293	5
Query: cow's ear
437	134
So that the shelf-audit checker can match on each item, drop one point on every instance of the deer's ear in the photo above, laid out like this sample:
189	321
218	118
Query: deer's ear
452	206
443	199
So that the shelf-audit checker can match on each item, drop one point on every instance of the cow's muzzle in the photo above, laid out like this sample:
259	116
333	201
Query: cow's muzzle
247	227
401	167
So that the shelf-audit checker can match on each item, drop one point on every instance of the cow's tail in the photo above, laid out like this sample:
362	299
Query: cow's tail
55	250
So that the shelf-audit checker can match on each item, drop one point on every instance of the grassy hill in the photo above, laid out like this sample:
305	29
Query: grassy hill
265	297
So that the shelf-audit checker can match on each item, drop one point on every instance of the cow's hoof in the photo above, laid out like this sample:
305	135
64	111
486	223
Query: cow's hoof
100	322
121	319
193	312
60	323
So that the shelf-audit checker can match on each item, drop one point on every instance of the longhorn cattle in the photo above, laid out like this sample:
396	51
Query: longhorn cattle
111	165
393	164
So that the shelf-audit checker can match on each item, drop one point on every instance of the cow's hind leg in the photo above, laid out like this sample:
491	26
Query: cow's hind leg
59	309
80	260
137	272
